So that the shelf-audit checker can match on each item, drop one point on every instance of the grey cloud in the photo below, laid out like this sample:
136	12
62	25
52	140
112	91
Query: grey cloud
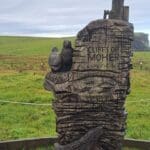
61	17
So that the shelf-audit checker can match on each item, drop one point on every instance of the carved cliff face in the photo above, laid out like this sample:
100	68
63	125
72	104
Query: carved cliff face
92	94
102	45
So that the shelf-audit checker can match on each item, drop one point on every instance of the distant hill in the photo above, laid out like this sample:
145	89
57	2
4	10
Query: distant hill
141	42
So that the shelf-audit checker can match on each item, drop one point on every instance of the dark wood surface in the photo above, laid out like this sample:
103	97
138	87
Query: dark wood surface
28	144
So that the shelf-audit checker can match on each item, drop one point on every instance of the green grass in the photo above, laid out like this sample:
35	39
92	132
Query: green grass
27	46
138	106
26	121
21	79
25	87
143	57
20	121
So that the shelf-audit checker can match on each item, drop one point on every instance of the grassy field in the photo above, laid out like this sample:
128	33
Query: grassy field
23	65
28	46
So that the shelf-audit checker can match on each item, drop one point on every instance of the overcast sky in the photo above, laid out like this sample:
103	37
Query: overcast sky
62	17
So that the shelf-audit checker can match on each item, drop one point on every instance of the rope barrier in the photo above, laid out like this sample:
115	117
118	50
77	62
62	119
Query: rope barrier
142	100
38	104
24	103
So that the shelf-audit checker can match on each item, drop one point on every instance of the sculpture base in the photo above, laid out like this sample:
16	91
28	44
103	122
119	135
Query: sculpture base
87	142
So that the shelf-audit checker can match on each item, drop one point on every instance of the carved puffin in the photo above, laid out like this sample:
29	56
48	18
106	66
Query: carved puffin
66	54
55	60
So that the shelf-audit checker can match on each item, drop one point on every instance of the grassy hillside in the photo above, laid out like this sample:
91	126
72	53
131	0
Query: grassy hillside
23	65
27	46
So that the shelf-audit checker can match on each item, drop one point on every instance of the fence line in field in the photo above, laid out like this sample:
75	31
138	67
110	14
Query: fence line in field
142	100
46	104
25	103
